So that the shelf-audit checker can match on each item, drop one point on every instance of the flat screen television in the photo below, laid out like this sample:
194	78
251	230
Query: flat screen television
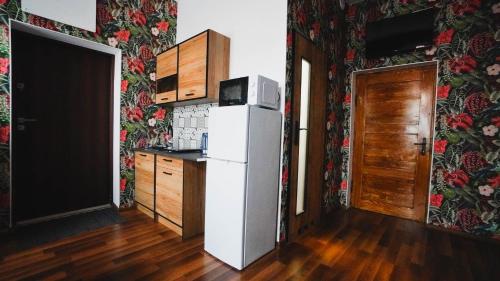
400	34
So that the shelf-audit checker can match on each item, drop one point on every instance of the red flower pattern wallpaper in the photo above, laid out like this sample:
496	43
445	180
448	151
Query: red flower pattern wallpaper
465	190
322	22
142	29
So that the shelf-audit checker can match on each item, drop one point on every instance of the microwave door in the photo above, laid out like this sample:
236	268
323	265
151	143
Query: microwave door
233	92
269	96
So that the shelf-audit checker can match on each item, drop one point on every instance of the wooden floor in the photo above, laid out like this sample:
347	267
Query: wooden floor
357	246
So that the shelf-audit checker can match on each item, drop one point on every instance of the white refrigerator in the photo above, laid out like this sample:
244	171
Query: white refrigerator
242	183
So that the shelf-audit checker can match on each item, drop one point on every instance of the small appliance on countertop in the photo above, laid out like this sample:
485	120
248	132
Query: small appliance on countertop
253	90
204	143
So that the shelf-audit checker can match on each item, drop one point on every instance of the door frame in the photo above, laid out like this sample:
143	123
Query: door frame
291	212
352	122
115	95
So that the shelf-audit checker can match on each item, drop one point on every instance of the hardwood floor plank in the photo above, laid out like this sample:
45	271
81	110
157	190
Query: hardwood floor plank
354	245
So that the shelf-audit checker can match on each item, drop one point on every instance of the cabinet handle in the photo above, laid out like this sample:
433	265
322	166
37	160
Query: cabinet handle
143	155
168	174
167	160
164	99
189	94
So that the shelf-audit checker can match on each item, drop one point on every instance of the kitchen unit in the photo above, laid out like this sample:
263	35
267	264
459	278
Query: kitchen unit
253	90
242	183
144	182
170	187
166	76
191	71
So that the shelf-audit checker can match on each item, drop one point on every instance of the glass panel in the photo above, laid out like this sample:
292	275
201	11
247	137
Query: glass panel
303	136
304	94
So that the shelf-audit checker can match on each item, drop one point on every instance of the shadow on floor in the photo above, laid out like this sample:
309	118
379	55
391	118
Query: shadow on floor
30	236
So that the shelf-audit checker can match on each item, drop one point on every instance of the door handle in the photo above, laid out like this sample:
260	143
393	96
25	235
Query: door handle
423	146
296	132
26	120
21	121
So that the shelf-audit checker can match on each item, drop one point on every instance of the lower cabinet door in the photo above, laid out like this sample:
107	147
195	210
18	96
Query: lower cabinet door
169	194
144	179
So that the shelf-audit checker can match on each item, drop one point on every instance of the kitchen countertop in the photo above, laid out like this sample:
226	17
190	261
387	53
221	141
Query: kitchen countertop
190	156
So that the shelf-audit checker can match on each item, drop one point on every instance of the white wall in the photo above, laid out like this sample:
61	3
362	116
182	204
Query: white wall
79	13
257	29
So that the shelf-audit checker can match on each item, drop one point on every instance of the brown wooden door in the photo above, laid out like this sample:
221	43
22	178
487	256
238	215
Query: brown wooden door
393	114
310	125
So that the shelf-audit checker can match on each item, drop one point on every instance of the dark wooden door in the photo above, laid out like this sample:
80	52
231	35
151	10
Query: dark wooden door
393	118
308	139
61	127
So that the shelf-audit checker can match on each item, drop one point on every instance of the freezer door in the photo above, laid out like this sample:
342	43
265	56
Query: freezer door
228	133
224	211
262	183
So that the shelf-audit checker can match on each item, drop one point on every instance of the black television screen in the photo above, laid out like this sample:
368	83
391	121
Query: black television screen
400	34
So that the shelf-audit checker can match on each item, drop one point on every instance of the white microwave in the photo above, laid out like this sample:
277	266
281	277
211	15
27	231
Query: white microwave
253	90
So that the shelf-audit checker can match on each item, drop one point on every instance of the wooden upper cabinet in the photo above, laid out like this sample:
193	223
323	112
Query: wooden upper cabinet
166	63
193	68
218	63
166	76
203	61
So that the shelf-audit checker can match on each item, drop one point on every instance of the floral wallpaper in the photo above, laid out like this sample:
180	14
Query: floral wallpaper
322	22
465	189
142	29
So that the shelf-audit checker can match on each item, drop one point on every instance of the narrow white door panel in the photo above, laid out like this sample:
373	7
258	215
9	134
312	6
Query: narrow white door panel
224	211
228	133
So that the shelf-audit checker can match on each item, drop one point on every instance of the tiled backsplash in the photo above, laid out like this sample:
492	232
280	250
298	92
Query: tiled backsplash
190	122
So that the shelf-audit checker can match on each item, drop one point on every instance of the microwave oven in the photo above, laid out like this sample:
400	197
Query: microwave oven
254	90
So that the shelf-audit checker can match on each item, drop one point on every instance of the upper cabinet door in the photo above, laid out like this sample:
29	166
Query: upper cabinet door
166	63
193	68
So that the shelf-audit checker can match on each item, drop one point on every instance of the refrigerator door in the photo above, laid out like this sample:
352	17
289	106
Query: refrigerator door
228	133
224	211
261	203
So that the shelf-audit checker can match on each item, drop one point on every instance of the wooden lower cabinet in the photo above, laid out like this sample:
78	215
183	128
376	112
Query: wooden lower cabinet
180	195
172	191
169	185
144	180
